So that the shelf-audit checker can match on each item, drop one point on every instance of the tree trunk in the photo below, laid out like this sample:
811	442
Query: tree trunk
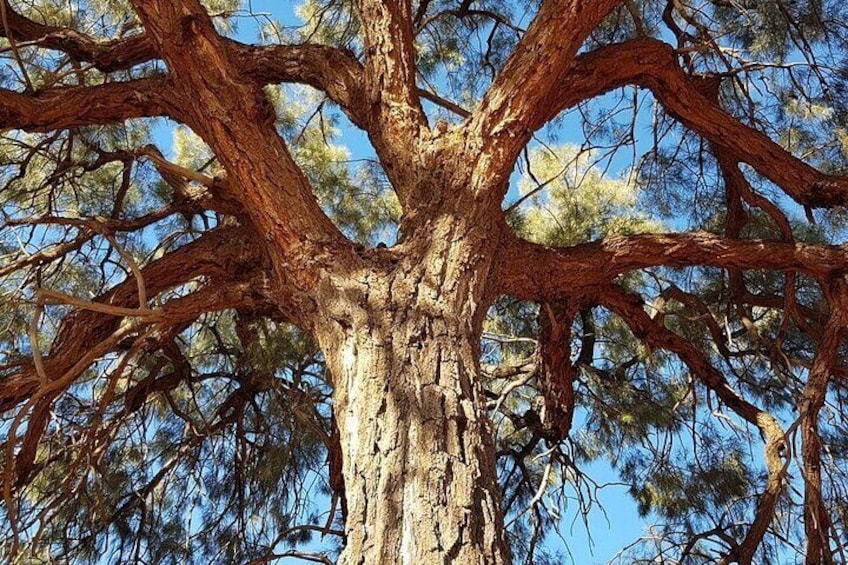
402	343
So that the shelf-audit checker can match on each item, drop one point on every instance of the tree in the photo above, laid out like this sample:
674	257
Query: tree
191	341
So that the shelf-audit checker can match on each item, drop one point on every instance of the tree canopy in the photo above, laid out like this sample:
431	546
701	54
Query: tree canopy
357	281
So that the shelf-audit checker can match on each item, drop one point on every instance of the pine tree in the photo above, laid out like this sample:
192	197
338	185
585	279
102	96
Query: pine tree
585	232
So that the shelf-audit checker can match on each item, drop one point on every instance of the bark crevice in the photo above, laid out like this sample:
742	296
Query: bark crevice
402	345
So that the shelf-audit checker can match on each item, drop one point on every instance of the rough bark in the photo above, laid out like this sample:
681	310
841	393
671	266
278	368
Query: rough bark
401	341
69	107
536	272
817	518
558	373
274	192
515	105
400	328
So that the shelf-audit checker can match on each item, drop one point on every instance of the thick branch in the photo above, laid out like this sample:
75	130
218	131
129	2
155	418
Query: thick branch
396	119
532	81
557	373
106	56
390	62
653	65
333	71
817	520
232	114
68	107
535	272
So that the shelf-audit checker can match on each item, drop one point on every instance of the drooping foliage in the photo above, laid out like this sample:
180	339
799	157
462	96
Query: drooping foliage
211	438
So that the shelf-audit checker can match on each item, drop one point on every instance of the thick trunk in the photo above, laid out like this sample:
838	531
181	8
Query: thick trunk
418	457
418	460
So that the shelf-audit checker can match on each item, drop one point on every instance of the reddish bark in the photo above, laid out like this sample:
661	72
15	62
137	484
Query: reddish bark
400	327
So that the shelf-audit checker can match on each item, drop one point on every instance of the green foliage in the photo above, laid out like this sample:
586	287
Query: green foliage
572	201
223	458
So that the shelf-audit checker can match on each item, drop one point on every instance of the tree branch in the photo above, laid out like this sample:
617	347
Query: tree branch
390	63
817	520
396	118
69	107
326	68
534	272
556	372
230	111
629	308
652	64
106	56
221	253
531	81
333	71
